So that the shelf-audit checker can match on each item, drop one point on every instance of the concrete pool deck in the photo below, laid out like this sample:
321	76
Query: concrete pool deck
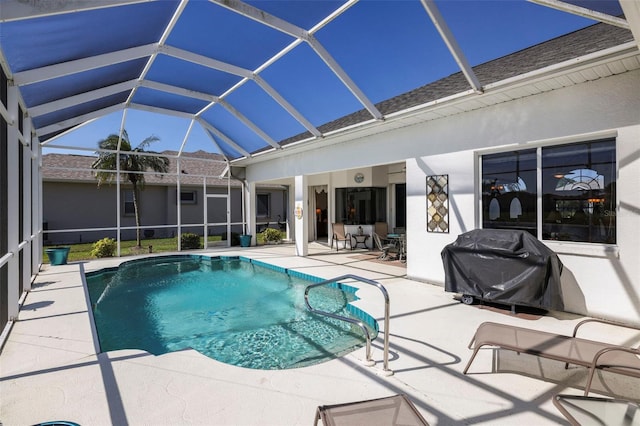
50	368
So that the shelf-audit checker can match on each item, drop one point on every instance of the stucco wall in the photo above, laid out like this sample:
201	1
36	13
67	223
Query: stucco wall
595	281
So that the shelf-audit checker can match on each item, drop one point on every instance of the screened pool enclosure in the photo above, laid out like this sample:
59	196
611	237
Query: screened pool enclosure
244	94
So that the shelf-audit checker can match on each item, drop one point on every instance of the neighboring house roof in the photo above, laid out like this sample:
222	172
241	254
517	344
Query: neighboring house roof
193	166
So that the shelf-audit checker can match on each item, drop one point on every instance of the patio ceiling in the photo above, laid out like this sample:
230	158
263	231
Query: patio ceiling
258	76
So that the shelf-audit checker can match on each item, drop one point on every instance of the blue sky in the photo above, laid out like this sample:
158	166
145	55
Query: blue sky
387	47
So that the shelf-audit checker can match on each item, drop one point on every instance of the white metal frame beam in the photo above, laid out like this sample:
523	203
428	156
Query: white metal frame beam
247	75
287	106
161	42
249	123
224	137
586	12
19	10
165	111
72	122
81	98
301	34
631	9
205	61
72	67
452	44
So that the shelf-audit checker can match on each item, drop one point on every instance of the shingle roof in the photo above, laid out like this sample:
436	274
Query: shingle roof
570	46
194	166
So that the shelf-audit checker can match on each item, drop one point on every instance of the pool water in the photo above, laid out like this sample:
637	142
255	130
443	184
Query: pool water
229	309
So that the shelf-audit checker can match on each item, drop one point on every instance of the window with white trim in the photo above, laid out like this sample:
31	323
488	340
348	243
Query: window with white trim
188	197
127	203
578	196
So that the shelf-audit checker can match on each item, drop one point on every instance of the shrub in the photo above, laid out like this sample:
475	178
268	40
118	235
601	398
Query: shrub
189	240
272	235
105	247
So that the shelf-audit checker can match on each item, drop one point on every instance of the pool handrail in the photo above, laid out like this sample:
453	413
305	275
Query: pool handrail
356	322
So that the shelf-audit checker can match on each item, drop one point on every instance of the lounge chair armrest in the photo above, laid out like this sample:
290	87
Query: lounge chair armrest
595	364
601	352
617	324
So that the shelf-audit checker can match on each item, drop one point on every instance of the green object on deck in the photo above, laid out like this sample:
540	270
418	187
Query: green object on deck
58	255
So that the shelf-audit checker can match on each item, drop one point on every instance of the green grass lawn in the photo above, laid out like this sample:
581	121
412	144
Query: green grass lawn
82	251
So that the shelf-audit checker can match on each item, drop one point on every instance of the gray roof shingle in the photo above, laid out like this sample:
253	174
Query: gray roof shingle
570	46
194	166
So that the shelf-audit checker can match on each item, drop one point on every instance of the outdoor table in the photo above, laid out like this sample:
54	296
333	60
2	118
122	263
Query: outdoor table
360	239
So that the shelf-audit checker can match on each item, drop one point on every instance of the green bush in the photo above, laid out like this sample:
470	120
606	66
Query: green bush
105	247
272	235
189	241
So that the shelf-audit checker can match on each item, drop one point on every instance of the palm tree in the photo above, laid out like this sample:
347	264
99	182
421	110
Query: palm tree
132	163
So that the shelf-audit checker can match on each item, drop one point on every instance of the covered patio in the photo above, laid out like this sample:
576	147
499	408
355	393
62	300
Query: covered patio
51	368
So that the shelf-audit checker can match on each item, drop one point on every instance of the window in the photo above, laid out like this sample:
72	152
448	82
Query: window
578	199
578	192
361	206
509	190
127	200
263	204
188	197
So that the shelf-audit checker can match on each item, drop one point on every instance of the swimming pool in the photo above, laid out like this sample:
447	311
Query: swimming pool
241	312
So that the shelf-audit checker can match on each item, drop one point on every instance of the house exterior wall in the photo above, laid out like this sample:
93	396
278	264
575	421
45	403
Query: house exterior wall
596	281
62	201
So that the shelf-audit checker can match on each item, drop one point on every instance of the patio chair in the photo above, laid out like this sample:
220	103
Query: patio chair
593	355
392	410
385	249
382	229
340	235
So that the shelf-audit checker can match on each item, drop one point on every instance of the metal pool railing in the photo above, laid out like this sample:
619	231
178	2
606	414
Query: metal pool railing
385	367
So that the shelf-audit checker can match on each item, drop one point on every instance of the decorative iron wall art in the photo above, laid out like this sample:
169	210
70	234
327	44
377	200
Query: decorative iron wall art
438	203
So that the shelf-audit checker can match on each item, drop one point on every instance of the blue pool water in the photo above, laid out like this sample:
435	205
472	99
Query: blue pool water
229	309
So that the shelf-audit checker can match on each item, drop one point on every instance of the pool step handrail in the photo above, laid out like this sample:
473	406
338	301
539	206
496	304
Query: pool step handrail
361	324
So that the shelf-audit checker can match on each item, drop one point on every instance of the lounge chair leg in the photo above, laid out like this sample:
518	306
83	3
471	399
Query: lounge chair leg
315	422
475	351
587	386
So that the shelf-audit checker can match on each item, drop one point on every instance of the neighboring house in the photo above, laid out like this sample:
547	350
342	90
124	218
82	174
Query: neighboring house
70	186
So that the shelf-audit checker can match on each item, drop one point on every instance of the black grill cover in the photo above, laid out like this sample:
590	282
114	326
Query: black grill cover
505	266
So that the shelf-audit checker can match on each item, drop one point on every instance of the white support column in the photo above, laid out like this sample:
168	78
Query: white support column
229	208
13	198
178	206
119	209
205	212
38	202
291	203
28	207
36	209
250	211
299	219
